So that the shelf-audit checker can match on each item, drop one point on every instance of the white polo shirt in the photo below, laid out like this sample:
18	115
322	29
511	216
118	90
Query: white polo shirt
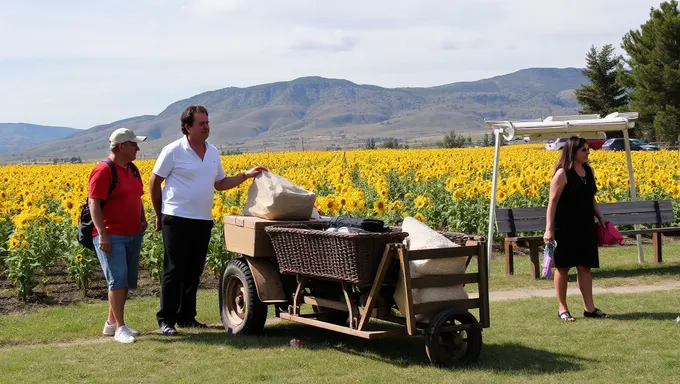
189	181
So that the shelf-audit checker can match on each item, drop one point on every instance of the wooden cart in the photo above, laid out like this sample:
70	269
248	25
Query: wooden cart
452	334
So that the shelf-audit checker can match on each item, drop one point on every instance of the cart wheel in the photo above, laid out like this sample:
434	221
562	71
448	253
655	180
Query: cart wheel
241	310
447	348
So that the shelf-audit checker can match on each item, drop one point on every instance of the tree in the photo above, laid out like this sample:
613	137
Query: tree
453	140
486	141
393	143
370	143
654	72
605	94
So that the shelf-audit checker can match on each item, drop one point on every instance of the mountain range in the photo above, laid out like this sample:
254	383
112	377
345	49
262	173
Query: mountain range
22	135
318	113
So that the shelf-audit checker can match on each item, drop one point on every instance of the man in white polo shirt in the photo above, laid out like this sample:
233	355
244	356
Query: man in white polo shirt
192	171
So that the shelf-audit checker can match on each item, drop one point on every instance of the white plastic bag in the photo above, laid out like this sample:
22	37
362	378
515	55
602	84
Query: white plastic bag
274	197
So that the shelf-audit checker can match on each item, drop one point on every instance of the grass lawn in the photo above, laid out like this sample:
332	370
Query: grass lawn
526	343
618	267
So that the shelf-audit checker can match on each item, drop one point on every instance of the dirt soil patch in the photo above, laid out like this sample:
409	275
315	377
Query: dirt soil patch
61	290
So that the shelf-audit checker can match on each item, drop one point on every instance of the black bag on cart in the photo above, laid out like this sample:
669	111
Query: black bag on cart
371	225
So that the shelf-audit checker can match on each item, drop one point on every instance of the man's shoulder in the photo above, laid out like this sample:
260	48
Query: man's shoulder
102	166
172	146
211	147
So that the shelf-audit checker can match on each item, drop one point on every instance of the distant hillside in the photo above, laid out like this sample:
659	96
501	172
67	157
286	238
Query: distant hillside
18	136
324	111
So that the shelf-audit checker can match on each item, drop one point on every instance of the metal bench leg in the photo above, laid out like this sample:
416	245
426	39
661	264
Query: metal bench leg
533	255
509	263
657	242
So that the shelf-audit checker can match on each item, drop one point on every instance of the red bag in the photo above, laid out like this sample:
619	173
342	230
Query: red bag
608	234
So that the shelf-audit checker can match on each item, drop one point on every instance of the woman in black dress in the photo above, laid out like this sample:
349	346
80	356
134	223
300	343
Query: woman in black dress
570	223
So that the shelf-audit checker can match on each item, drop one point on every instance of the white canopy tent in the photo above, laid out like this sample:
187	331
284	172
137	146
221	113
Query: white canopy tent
586	126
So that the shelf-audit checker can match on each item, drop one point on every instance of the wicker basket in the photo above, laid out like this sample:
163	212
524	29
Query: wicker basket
307	249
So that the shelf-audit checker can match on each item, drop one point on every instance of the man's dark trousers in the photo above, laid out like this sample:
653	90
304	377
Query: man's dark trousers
186	246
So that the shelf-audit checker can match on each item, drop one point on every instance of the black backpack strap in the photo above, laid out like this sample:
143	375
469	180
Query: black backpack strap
134	169
114	179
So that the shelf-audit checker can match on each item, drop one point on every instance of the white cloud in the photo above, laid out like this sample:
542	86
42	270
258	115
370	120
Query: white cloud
215	7
311	39
84	63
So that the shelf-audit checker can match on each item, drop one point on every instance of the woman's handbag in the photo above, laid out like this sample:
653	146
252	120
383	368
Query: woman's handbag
607	234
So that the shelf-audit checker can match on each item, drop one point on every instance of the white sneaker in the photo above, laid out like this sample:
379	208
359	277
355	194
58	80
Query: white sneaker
109	329
133	332
124	336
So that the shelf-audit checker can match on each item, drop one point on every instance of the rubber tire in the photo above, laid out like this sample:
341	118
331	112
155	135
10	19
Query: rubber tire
256	311
439	357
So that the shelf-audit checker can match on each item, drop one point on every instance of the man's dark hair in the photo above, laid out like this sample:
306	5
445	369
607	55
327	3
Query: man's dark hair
188	116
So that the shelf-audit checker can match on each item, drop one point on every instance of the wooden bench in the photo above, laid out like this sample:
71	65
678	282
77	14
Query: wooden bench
513	221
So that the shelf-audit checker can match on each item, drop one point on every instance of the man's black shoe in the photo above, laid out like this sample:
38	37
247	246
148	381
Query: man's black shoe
192	324
168	330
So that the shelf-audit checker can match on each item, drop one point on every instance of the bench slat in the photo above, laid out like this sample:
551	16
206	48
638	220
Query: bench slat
520	213
523	238
623	213
503	214
649	230
619	219
639	218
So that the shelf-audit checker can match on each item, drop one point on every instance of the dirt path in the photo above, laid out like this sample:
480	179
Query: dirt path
573	290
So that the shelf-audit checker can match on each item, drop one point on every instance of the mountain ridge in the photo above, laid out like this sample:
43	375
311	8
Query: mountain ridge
329	112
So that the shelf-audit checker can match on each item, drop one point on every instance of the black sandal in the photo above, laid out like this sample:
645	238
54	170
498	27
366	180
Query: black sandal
596	314
565	316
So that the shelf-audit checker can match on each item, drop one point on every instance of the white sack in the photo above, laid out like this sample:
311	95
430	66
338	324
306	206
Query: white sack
274	197
420	237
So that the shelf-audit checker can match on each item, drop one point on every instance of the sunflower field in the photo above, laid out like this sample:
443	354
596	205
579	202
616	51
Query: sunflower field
445	188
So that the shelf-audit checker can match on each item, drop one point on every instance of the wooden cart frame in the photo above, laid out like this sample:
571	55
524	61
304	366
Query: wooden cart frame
444	323
359	327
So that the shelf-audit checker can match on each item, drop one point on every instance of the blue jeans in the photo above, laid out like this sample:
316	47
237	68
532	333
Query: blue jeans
121	265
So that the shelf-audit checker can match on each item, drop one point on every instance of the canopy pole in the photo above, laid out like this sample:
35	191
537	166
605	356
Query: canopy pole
633	190
494	187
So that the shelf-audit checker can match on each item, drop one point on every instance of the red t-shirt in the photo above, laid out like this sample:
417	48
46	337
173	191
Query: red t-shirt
123	210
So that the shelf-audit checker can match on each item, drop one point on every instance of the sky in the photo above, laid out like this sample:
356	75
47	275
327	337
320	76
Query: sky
81	63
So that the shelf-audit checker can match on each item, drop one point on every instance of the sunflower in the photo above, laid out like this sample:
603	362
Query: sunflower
379	207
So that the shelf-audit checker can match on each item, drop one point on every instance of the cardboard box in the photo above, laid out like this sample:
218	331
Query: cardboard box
246	234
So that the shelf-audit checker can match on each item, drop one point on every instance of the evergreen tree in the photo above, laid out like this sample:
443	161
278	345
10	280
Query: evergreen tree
605	94
654	73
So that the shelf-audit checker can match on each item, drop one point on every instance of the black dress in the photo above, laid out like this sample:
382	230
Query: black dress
574	229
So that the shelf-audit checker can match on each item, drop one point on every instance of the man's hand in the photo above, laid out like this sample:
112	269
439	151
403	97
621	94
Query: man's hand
159	224
104	243
255	171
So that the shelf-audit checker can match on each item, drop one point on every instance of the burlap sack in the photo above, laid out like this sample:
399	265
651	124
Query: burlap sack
274	197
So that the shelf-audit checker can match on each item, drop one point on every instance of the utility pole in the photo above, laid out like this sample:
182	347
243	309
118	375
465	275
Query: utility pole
303	143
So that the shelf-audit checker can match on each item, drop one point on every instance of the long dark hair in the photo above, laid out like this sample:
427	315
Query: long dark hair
568	157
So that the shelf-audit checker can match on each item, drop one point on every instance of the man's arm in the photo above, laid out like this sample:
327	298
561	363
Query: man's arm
95	206
142	219
156	195
234	181
230	182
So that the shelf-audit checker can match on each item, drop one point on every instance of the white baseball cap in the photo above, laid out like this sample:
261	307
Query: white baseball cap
123	135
